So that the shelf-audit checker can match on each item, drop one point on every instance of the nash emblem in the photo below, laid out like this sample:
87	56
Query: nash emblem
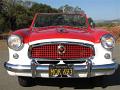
61	49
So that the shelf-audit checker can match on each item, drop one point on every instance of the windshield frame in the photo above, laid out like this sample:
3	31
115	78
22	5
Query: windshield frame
36	15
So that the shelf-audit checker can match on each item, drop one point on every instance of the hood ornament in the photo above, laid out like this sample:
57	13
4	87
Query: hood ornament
62	30
61	49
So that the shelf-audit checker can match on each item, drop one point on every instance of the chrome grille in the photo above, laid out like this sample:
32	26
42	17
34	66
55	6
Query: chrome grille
71	51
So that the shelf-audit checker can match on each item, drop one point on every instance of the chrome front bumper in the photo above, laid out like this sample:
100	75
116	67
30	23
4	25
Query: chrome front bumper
89	70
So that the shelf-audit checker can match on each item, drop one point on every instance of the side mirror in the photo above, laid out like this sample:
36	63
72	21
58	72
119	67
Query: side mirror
91	22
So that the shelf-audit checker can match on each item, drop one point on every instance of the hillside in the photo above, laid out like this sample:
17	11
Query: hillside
115	30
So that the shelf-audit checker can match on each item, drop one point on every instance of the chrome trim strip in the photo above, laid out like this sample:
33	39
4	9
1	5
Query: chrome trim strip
104	67
62	42
17	68
42	59
89	67
33	68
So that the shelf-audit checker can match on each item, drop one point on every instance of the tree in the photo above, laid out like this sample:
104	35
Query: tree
22	17
42	8
1	5
15	14
70	9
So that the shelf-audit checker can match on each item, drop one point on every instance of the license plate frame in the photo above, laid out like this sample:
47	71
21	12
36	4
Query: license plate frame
61	70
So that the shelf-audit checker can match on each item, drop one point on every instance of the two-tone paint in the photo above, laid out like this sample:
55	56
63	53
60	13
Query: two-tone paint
24	66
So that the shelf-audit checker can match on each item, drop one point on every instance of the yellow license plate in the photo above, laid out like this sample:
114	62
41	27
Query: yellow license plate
61	70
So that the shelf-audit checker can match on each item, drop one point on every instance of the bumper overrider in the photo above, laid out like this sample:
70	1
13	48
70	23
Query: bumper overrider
88	70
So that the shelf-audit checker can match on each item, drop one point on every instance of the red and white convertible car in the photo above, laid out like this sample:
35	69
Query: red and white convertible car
60	46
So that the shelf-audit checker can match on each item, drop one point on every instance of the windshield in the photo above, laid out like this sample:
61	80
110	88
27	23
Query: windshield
44	20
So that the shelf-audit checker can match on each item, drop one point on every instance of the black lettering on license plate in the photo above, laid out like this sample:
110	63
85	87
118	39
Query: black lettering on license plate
60	70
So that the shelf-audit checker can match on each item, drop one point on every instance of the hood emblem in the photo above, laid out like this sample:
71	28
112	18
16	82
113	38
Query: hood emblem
62	30
61	49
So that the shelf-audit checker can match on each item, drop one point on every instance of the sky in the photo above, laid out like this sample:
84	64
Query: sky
97	9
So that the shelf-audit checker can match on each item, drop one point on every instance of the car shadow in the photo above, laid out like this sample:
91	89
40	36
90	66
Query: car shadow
83	83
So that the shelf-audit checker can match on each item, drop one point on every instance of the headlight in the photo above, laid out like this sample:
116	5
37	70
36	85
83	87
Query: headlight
108	41
15	42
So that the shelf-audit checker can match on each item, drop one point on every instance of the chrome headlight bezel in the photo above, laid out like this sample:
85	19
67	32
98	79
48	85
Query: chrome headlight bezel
15	42
108	41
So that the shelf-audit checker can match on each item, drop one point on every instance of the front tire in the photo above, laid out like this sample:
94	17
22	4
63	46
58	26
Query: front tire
25	81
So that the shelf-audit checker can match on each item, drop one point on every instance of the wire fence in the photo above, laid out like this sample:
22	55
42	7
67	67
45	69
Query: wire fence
3	37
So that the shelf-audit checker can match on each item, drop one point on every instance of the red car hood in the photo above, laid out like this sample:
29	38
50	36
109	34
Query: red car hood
56	33
67	33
